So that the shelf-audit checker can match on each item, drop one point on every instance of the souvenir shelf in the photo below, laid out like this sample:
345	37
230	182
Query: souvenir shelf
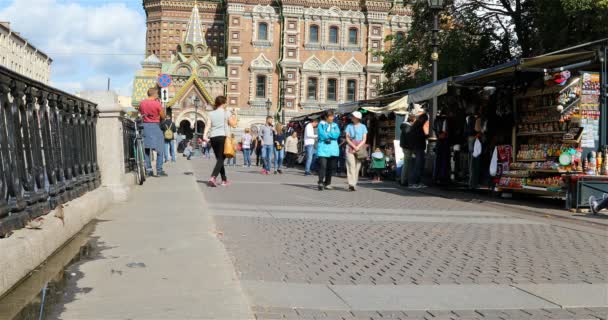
545	129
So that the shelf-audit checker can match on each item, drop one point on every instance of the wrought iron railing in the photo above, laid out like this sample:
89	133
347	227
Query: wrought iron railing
128	135
48	149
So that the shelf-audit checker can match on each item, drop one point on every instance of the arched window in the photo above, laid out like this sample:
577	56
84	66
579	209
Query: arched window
313	36
351	90
312	88
332	90
263	31
353	36
260	86
333	35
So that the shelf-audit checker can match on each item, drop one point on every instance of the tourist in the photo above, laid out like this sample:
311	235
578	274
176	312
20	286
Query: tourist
152	113
188	151
356	137
378	164
596	206
327	149
203	147
404	143
235	146
418	135
246	142
258	150
291	147
217	130
279	148
267	132
310	139
169	130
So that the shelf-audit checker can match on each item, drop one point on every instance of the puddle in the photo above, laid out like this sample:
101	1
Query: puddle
49	287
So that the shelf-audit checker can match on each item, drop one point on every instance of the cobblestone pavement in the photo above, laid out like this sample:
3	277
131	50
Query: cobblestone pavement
279	229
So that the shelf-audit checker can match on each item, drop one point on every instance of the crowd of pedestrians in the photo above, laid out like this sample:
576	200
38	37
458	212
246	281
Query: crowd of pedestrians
325	146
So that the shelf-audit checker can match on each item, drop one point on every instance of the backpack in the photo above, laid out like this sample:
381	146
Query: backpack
168	132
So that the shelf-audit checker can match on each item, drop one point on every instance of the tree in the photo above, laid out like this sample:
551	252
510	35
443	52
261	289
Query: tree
465	43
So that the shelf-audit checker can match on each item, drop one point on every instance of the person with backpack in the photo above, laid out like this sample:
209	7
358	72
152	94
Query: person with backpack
152	113
169	130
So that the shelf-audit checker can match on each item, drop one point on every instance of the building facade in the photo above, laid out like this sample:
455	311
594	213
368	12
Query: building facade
301	55
17	54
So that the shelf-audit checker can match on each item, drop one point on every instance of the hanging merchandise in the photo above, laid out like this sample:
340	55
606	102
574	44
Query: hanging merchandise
477	148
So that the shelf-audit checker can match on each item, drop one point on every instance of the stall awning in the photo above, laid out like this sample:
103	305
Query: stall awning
429	91
399	107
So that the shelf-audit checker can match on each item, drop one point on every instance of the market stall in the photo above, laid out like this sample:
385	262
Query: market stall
559	128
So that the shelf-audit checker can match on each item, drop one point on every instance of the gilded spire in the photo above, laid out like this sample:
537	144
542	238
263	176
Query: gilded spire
194	33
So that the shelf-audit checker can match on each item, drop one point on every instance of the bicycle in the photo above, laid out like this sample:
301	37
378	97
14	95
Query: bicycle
138	153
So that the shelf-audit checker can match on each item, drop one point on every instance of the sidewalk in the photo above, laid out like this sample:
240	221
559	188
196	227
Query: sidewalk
536	206
161	259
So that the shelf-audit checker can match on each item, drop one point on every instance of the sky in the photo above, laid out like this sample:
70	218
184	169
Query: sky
88	40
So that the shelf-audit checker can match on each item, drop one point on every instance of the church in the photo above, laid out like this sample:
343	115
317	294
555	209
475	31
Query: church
288	57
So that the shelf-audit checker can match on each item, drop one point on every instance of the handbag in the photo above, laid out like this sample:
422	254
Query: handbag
362	153
229	151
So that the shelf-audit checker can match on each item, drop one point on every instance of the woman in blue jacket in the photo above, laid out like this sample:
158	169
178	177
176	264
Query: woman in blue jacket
328	150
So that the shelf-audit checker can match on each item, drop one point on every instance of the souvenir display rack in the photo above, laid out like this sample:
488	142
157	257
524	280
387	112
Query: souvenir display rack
547	128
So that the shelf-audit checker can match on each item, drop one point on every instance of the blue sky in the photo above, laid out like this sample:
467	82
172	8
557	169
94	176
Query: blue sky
89	40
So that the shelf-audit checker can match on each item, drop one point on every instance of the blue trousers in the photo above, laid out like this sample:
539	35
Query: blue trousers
310	154
247	157
267	151
170	150
279	155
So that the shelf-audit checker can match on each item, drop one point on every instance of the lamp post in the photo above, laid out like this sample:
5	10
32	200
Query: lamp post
196	101
268	107
436	6
283	87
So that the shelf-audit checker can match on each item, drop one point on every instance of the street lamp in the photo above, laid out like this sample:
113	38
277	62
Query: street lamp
283	86
196	102
436	6
268	107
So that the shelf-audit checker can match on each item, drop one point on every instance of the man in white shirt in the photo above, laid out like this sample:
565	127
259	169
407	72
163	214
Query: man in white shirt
310	138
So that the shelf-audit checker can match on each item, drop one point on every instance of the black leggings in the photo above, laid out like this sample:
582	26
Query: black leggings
217	143
327	166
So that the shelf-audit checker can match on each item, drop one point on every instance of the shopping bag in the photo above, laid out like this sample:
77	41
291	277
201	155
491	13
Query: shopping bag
494	163
477	148
229	151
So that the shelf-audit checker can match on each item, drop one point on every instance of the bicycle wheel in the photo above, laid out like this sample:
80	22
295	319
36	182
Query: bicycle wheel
140	162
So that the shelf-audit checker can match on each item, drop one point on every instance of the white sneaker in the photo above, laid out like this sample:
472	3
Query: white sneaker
593	204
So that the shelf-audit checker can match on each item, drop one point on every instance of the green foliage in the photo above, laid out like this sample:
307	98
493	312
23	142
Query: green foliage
472	39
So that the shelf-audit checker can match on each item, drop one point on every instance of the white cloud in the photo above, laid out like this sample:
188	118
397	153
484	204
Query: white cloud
85	42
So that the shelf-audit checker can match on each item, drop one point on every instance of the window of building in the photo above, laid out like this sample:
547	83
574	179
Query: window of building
333	35
351	90
332	89
263	31
312	88
260	86
314	34
353	36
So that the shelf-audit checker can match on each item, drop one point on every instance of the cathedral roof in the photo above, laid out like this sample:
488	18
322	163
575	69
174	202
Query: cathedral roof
194	34
151	60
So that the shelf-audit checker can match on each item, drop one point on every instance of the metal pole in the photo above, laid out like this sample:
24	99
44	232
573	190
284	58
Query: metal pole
435	57
603	96
195	144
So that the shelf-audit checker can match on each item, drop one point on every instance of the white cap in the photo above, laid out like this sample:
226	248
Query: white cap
357	115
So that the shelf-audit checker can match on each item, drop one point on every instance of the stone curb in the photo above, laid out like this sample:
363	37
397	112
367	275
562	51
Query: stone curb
26	249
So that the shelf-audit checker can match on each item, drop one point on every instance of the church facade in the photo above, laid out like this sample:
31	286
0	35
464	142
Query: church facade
300	55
